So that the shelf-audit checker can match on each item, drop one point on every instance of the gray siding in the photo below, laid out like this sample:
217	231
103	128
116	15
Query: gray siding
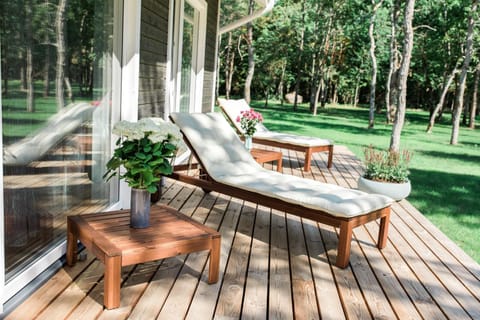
210	56
153	57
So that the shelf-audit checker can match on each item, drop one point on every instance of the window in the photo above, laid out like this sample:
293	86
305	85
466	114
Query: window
188	55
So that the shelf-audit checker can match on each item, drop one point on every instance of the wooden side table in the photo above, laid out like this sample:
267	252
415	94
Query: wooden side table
109	237
262	156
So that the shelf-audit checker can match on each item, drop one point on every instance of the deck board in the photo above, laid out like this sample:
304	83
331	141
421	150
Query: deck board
277	266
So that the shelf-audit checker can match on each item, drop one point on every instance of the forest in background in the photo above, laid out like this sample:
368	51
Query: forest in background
352	51
52	45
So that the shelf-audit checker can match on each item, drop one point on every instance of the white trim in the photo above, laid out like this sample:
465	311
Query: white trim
2	212
267	7
169	98
200	46
130	76
130	60
217	58
177	53
198	54
32	271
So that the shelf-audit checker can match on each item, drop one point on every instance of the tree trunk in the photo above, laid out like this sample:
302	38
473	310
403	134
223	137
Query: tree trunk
30	102
391	85
317	97
5	83
356	94
300	57
251	56
373	82
334	93
459	95
466	112
229	65
280	90
313	83
473	109
46	67
323	89
46	72
403	75
69	89
440	103
60	43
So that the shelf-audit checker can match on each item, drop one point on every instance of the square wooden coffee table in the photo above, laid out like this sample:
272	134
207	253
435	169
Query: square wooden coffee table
263	155
109	237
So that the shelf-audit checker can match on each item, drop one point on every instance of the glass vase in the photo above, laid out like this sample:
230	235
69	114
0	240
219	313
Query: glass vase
248	143
140	208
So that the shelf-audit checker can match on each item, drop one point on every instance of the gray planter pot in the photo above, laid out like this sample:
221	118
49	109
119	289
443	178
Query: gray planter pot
140	208
396	191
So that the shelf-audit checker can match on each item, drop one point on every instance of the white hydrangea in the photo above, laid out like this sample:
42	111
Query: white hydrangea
127	129
157	128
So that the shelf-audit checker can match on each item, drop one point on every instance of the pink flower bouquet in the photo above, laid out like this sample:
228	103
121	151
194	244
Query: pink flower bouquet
248	121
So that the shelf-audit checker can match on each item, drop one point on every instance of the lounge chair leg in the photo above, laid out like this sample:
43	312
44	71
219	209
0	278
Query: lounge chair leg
344	244
383	232
330	156
308	159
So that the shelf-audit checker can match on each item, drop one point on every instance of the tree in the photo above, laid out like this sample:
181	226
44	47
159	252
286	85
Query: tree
300	55
402	76
29	56
60	44
373	82
229	65
473	109
319	56
391	85
45	35
441	101
251	55
459	95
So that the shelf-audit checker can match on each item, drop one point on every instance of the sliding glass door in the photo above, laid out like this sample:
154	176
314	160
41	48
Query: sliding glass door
59	71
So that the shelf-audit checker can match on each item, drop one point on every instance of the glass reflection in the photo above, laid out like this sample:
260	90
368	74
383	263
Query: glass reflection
56	107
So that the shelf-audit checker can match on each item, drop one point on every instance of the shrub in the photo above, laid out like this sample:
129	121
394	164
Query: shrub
386	166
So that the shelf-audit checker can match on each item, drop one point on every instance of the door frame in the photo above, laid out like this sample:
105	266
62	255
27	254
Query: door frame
174	53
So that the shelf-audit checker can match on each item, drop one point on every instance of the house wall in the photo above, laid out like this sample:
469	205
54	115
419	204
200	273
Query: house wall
210	56
153	57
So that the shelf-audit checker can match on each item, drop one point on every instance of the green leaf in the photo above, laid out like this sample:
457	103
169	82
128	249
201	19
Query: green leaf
140	155
152	188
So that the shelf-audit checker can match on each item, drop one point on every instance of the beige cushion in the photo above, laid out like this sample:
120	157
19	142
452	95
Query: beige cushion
232	109
227	161
304	141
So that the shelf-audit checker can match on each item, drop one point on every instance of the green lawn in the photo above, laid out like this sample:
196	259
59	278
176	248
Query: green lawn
17	122
445	178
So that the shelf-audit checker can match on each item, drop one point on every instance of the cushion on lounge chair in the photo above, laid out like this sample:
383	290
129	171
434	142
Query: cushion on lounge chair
227	161
233	108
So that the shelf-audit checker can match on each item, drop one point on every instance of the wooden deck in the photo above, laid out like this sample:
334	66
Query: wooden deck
277	266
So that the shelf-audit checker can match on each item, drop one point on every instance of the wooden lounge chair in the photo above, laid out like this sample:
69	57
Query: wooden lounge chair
309	145
230	169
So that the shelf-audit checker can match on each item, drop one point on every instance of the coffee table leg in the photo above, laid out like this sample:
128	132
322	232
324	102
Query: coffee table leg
113	269
279	164
71	244
214	267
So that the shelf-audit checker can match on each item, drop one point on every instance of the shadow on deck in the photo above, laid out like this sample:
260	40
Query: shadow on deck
275	265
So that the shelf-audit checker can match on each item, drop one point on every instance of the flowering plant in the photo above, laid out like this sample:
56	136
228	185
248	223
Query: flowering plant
145	151
248	121
386	166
